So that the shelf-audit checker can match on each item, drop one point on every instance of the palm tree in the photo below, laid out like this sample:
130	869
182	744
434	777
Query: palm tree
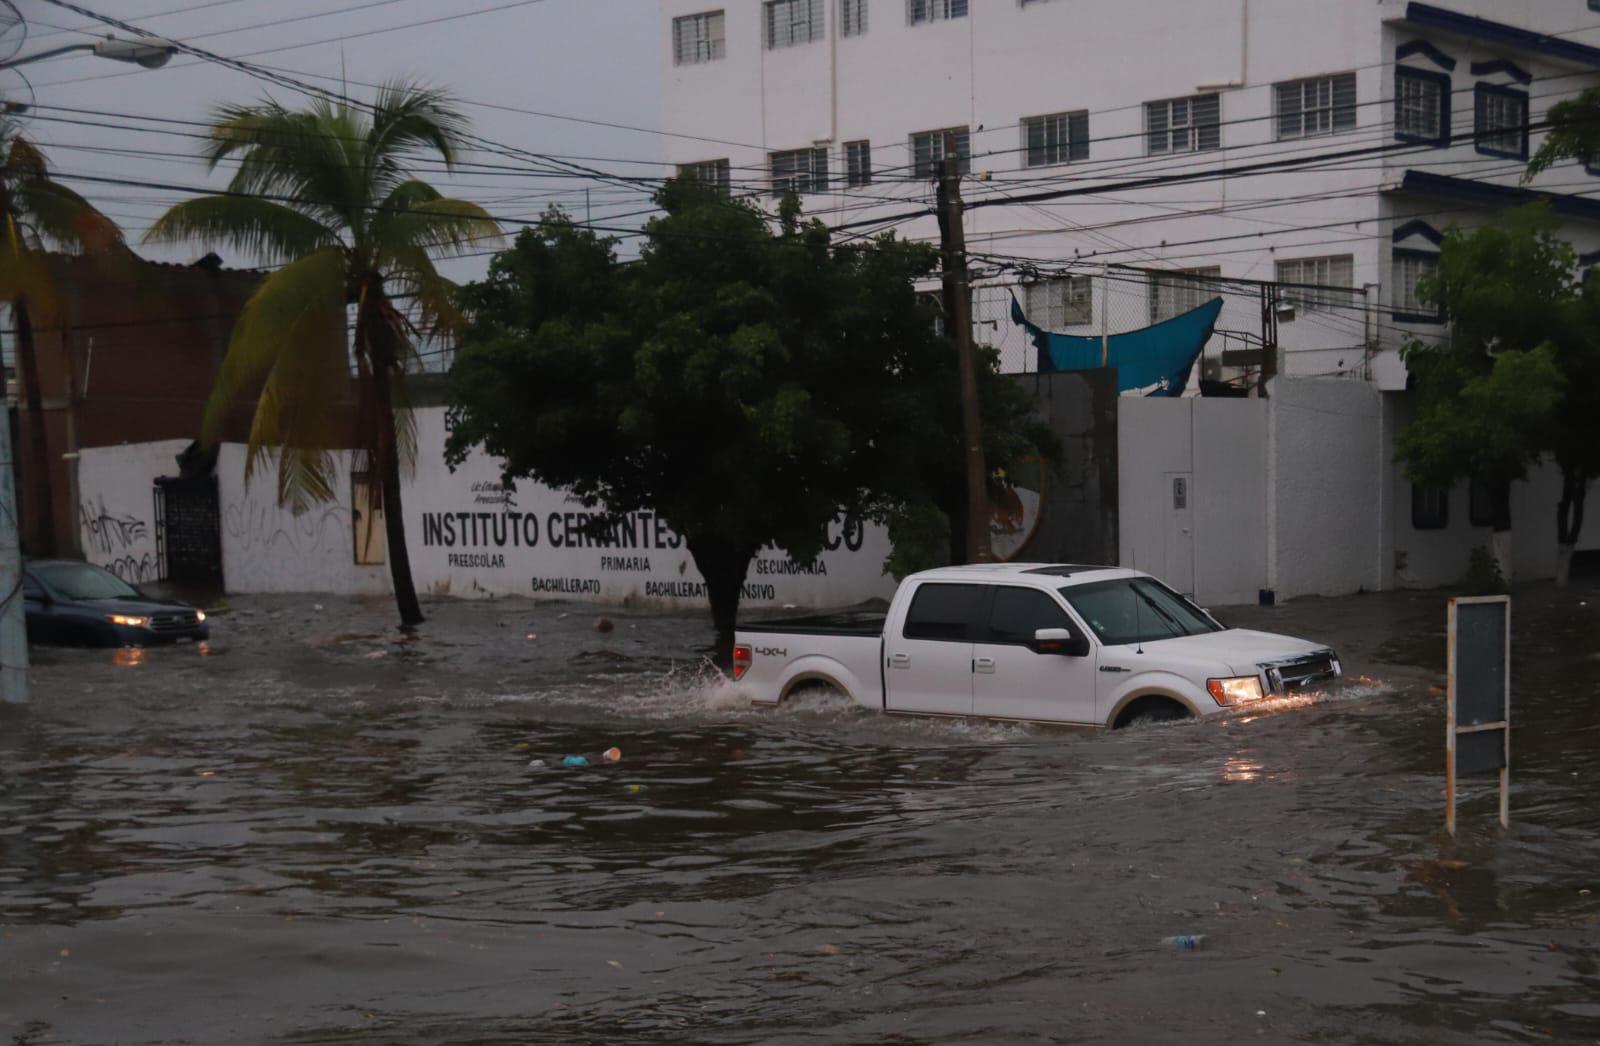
325	194
37	215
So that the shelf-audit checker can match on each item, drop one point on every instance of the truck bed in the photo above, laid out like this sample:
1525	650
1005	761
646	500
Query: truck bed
841	623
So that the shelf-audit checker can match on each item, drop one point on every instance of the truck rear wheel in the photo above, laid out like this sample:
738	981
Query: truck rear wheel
1152	708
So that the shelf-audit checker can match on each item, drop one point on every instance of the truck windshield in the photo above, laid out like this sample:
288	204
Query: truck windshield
1136	610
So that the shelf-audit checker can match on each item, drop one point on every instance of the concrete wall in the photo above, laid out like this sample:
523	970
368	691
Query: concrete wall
1076	519
116	505
1327	469
469	534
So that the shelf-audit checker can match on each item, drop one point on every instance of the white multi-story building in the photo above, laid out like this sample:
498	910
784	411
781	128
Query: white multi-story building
1355	133
1310	142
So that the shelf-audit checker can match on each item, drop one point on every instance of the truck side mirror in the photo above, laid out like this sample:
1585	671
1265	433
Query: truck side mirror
1060	641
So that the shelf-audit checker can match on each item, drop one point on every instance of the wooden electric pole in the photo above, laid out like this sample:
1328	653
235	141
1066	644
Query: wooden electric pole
958	320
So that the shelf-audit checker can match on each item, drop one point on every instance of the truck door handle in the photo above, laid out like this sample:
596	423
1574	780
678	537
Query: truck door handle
983	665
899	660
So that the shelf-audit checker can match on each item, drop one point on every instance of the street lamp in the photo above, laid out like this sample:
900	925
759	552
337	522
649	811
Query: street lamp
151	52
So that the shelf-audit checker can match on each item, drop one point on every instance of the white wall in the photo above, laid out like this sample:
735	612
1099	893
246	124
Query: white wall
1327	477
520	540
116	505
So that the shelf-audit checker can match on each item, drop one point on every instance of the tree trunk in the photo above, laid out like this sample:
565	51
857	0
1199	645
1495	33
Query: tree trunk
394	522
36	466
1500	542
724	569
1569	520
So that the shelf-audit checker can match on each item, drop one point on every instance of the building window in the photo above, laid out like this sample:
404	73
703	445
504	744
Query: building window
1409	268
1059	138
1421	106
1058	304
698	38
715	173
1330	273
1480	503
791	22
921	11
1501	126
852	17
1183	125
1318	106
1173	294
800	171
927	149
858	163
1430	507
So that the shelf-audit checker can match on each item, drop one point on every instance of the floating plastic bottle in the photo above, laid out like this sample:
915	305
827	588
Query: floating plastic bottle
1185	942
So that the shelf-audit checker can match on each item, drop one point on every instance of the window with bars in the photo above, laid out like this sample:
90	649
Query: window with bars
1173	294
799	170
698	38
1331	272
1501	122
858	163
927	149
1061	303
1410	267
1318	106
1058	138
1421	105
920	11
791	22
852	17
715	173
1183	125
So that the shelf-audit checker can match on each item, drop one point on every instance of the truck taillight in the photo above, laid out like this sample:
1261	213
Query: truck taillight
741	661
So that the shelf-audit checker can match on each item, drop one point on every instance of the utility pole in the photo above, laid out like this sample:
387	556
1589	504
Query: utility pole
13	624
958	319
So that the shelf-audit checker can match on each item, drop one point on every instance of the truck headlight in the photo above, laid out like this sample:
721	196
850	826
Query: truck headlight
1234	690
199	617
128	620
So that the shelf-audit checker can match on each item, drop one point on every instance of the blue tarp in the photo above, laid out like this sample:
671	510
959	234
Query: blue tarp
1156	360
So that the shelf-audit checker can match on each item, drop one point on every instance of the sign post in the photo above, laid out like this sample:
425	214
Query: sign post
1478	733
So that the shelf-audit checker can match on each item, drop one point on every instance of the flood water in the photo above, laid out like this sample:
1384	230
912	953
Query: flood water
312	831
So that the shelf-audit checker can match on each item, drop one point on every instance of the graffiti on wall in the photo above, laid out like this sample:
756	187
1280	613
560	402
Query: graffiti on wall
114	542
262	526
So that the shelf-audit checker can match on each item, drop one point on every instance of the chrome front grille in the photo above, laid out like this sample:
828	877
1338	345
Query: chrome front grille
174	621
1303	673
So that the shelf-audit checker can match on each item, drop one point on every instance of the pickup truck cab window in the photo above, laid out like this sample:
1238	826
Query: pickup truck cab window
1018	612
1136	610
945	612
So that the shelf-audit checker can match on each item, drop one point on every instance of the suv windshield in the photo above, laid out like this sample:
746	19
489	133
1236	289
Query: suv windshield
1137	610
82	581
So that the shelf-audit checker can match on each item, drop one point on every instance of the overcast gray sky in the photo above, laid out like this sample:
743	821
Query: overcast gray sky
589	60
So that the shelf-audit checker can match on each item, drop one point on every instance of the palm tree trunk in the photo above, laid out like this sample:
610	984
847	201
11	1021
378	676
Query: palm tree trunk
394	522
36	465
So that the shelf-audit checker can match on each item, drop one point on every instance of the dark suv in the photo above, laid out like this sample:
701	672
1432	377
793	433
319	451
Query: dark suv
81	604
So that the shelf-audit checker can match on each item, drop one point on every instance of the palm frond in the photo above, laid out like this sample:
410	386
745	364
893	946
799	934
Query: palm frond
291	314
25	161
268	232
415	215
408	118
301	156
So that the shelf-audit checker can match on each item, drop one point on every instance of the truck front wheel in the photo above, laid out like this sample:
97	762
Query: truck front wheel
1152	708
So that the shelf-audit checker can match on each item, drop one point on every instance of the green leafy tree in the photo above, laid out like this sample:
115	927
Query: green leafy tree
746	383
37	215
1492	393
1575	135
327	194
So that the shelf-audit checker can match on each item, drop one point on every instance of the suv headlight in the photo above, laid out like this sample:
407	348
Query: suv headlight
128	620
1234	690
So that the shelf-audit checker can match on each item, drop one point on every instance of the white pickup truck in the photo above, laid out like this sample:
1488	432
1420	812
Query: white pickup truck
1087	645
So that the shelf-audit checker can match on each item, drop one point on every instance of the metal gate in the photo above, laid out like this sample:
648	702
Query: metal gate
189	532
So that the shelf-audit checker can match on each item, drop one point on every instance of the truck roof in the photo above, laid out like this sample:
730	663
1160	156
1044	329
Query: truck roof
1056	573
